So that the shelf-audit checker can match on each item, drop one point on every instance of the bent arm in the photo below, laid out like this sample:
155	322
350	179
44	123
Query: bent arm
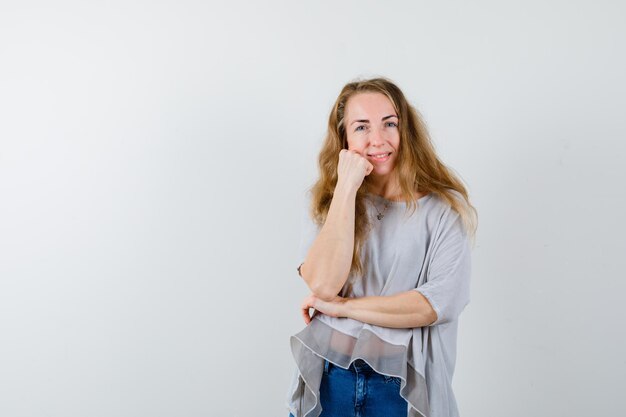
327	264
404	310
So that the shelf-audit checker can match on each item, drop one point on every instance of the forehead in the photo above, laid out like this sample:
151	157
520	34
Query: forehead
368	106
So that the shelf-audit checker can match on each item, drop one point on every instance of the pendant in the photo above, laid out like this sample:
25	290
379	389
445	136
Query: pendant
380	216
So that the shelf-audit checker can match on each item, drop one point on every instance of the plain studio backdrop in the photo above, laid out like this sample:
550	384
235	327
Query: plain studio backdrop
153	163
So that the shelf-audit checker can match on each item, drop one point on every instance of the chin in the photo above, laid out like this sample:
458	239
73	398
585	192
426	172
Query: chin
382	171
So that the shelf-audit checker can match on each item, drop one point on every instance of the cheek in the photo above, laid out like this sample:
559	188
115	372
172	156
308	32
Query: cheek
352	144
395	142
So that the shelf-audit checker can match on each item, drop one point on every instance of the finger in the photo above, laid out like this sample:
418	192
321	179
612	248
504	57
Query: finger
305	315
306	307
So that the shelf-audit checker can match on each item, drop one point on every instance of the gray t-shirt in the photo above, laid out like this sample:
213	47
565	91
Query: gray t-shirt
428	251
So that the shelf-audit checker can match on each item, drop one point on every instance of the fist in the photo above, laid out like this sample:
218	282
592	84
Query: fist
352	168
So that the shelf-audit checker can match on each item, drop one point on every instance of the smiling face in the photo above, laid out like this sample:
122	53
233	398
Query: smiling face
371	125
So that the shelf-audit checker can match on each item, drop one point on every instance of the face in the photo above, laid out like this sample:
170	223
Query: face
372	130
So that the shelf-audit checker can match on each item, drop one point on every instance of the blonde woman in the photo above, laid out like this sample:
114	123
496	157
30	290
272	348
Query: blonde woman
386	255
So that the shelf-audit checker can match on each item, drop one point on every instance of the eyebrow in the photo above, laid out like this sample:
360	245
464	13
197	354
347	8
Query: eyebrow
367	121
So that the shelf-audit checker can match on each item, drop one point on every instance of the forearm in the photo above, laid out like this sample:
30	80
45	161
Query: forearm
327	264
404	310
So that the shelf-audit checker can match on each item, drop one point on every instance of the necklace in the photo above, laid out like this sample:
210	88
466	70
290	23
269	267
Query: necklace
380	215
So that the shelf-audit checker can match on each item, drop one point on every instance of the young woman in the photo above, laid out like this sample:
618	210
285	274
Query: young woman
386	255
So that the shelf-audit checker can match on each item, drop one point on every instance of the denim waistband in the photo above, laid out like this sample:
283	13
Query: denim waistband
358	365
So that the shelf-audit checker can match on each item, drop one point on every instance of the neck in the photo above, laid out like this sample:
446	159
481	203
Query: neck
386	187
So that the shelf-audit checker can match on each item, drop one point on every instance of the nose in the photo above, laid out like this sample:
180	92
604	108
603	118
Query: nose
376	137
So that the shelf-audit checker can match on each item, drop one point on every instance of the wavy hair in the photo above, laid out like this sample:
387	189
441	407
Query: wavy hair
418	168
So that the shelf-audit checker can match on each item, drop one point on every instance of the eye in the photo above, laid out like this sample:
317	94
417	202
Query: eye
392	124
359	127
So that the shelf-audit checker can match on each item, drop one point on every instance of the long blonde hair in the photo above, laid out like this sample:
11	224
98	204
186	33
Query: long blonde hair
418	167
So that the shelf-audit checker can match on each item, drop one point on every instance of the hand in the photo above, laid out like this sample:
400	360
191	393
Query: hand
333	308
352	168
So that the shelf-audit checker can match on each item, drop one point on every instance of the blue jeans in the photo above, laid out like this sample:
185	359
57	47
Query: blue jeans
359	392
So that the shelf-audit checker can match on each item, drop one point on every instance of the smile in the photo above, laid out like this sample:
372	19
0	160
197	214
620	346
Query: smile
381	157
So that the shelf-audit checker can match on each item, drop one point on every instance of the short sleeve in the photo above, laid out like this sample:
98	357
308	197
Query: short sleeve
447	285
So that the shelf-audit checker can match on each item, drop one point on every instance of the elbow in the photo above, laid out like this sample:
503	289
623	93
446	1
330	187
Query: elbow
427	314
422	318
324	292
322	289
431	317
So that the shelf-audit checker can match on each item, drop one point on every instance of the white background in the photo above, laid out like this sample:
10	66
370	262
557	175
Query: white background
153	161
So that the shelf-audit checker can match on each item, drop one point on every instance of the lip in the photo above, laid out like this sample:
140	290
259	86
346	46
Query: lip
378	160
